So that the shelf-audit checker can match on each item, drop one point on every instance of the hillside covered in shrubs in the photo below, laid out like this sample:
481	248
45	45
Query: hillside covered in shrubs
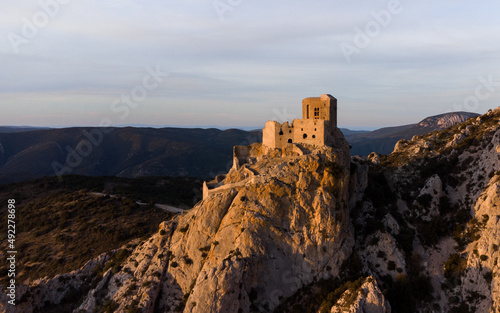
63	224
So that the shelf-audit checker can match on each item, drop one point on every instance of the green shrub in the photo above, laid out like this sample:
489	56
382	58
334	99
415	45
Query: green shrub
454	266
187	260
430	232
488	276
333	297
445	206
205	249
374	241
110	306
391	266
425	200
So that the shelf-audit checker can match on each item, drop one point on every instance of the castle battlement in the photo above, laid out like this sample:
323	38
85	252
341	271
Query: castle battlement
319	116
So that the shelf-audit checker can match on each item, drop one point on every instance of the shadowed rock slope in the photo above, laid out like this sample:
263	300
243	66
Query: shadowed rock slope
427	223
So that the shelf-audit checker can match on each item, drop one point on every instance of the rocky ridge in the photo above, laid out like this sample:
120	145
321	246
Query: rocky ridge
308	229
241	249
439	219
367	298
446	120
383	140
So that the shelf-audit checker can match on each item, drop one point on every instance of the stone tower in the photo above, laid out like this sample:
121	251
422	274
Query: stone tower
319	117
324	107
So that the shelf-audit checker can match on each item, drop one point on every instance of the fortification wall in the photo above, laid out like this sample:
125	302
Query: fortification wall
210	189
319	118
277	135
308	131
311	132
269	134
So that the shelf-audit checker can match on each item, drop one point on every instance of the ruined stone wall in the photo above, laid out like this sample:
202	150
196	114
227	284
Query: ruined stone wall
277	135
269	133
311	132
319	117
332	109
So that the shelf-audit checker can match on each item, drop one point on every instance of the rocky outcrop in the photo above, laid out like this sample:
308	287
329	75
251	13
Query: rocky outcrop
367	299
279	220
437	198
60	291
446	120
308	227
480	281
382	140
250	246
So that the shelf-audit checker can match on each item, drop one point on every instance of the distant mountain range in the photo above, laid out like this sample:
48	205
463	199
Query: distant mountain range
17	129
383	140
27	153
125	152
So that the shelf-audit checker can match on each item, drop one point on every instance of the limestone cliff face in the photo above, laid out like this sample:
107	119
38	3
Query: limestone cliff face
278	221
58	291
305	228
480	279
275	235
367	299
427	226
445	120
246	248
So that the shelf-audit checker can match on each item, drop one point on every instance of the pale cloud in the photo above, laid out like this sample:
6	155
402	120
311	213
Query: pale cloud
262	56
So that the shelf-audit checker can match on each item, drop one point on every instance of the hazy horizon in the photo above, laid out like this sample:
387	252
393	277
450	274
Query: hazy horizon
244	62
246	128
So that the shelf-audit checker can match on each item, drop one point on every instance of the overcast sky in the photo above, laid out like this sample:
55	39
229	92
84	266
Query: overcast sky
242	62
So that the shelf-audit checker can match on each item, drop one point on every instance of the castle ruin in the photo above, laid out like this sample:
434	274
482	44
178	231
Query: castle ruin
319	117
319	120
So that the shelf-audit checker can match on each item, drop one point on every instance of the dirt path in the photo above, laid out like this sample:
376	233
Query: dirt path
157	205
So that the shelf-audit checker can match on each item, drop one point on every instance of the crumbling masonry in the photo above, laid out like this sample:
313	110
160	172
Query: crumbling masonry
319	116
